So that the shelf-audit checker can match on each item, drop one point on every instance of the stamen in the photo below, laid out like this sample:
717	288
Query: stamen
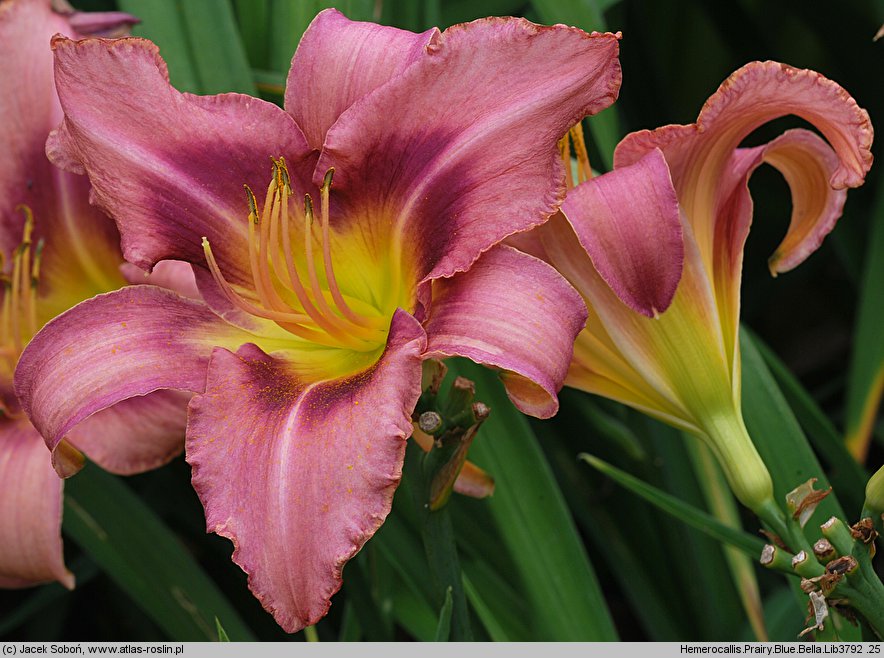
580	152
326	257
565	154
288	321
20	269
35	282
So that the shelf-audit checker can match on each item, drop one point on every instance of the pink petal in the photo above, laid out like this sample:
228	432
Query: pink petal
135	435
81	245
299	476
698	155
471	156
113	347
30	510
338	61
514	312
168	167
172	274
628	222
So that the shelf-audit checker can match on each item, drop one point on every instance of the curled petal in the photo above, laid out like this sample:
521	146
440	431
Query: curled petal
166	194
753	95
474	158
806	162
113	347
30	510
514	312
628	222
338	61
135	435
299	476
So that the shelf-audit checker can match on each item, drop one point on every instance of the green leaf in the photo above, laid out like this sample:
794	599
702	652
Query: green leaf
847	476
141	555
777	435
443	629
199	40
688	514
222	634
865	383
529	510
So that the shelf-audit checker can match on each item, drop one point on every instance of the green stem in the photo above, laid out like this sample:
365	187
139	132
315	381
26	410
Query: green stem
437	534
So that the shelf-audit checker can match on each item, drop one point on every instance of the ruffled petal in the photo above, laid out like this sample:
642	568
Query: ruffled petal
699	154
628	222
30	510
338	61
459	151
113	347
514	312
299	476
166	194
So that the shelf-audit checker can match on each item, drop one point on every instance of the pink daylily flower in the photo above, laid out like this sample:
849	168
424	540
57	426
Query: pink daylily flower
679	196
56	251
418	154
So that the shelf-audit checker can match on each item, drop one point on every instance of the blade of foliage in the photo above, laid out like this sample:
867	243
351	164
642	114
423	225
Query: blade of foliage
133	546
531	516
443	629
588	15
219	56
288	20
222	634
777	434
865	384
721	503
846	475
692	516
199	40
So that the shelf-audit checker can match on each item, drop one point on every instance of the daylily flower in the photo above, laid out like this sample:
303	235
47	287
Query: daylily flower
56	250
683	366
362	244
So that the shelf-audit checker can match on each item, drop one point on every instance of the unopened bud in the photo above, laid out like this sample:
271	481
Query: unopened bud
875	492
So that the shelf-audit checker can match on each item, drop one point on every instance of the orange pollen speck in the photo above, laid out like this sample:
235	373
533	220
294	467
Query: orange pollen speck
302	303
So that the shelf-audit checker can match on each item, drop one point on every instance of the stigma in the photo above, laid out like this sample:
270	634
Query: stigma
18	319
301	295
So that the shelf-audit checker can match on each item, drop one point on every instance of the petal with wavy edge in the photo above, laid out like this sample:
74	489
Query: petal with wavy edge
699	154
338	61
628	222
30	510
113	347
166	194
474	158
299	476
514	312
